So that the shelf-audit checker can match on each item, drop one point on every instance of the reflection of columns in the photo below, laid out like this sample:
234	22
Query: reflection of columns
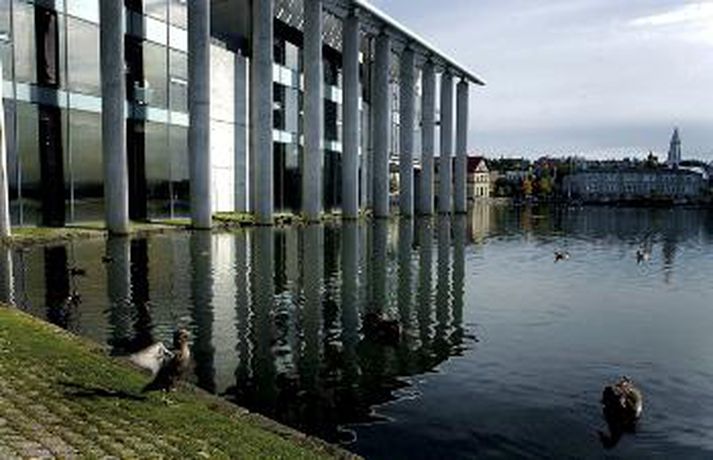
262	284
350	156
425	279
143	326
313	110
427	138
460	198
443	284
382	126
379	263
312	273
199	112
202	307
4	199
242	308
444	169
116	175
350	295
261	106
405	294
223	301
459	235
118	282
406	128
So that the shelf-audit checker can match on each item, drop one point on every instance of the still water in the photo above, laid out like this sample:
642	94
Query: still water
502	352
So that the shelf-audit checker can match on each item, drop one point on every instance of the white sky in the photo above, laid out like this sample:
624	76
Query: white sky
600	77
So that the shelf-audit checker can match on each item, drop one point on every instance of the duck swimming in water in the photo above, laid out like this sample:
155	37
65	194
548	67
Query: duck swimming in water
168	366
642	255
561	255
622	405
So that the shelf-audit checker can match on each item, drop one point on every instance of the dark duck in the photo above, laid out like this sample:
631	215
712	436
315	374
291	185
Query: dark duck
622	406
168	366
385	331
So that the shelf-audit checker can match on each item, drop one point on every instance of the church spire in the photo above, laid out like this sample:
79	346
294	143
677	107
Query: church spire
674	151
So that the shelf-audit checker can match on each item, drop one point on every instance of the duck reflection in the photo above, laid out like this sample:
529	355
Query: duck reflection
61	303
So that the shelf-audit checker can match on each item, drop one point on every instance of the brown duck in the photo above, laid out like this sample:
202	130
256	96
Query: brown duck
175	365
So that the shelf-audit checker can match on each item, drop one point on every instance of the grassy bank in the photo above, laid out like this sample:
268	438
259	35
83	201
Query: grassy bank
62	396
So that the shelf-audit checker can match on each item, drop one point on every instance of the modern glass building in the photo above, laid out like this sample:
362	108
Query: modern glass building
53	77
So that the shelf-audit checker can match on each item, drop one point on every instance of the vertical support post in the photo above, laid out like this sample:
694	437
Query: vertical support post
199	112
406	117
116	176
351	122
444	169
461	199
4	184
313	111
382	126
241	134
261	117
428	143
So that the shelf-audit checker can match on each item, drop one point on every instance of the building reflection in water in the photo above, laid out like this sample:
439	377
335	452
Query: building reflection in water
7	289
276	315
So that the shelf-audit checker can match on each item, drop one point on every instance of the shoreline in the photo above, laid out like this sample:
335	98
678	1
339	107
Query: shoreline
63	395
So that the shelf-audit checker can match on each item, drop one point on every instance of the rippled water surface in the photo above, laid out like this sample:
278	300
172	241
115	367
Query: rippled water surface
502	352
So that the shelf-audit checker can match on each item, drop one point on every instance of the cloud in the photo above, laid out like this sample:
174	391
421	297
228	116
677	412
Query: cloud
693	22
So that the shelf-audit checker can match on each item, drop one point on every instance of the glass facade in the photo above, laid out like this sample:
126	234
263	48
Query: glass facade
53	98
51	76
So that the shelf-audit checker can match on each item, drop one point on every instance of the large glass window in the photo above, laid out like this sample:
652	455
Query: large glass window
27	175
158	169
83	72
155	73
25	49
179	186
156	8
179	81
5	36
179	13
85	146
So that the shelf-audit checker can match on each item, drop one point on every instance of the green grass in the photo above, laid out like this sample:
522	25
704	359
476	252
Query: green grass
75	392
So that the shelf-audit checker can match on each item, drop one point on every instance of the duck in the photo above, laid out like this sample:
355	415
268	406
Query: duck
642	255
561	255
76	271
169	366
623	402
382	330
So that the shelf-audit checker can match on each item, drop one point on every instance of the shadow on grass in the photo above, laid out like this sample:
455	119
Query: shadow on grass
76	390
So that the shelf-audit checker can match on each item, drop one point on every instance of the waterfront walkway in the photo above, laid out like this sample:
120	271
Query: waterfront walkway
62	397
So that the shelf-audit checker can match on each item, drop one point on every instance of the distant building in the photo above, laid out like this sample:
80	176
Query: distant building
636	182
478	178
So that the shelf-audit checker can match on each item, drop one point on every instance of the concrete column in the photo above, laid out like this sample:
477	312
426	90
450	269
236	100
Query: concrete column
460	198
241	134
4	197
261	100
406	117
382	126
428	143
313	111
116	175
444	169
199	112
350	119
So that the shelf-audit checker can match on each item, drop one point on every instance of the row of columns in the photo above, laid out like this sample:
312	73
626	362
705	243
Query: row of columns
261	121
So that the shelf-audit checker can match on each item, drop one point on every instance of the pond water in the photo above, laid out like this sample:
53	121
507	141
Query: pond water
501	352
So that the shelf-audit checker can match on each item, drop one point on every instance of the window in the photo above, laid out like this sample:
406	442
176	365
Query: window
83	73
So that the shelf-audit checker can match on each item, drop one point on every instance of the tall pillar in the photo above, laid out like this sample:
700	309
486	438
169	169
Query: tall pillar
351	122
313	111
444	169
460	198
116	175
406	125
4	184
261	118
241	134
382	126
199	112
428	143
